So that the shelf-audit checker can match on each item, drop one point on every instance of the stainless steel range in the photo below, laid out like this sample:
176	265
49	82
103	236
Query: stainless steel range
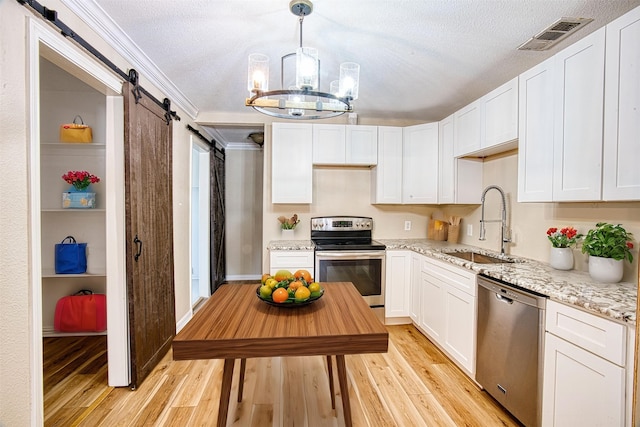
345	252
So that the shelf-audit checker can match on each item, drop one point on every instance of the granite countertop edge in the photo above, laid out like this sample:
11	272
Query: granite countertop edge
612	300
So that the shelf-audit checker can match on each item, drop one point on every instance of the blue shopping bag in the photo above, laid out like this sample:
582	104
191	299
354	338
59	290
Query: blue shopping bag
71	257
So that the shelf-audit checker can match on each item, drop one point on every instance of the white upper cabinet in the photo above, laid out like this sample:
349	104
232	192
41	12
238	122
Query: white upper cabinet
577	139
500	115
291	163
488	125
361	145
535	145
386	176
460	180
420	164
621	175
345	145
329	144
447	175
468	134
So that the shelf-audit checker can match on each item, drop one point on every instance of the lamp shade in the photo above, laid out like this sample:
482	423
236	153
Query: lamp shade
258	75
307	68
296	112
349	80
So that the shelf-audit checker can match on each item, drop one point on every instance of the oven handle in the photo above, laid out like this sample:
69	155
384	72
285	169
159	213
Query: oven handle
350	255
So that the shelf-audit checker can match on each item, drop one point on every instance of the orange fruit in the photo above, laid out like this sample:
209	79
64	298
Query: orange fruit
295	285
282	275
280	295
303	274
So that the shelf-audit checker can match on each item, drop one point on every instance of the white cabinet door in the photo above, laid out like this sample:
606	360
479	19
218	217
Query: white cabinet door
291	163
386	176
447	170
361	145
467	127
292	261
420	164
415	294
432	308
460	329
580	389
500	115
398	276
535	144
329	144
621	174
579	98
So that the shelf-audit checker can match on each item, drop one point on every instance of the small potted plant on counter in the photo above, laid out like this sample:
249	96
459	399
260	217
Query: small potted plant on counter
287	225
608	246
561	255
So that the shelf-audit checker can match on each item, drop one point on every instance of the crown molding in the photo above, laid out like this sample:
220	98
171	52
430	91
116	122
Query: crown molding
97	19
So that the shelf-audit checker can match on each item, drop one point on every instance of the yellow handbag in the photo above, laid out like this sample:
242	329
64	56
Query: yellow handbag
75	132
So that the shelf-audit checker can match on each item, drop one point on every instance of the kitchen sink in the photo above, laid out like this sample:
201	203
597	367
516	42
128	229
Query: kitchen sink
479	258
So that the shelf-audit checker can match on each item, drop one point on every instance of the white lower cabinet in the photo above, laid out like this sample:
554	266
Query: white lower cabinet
415	292
292	261
582	384
397	286
448	310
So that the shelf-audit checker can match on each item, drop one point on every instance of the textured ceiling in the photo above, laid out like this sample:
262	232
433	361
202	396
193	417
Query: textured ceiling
421	60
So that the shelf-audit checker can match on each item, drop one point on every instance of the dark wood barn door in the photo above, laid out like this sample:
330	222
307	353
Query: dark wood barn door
149	233
218	258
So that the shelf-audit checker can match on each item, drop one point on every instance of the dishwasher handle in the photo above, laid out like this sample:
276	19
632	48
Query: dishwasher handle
504	299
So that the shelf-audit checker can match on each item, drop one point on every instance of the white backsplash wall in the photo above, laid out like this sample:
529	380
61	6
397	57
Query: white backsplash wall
529	221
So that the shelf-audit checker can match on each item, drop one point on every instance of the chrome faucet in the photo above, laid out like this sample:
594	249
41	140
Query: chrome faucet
504	234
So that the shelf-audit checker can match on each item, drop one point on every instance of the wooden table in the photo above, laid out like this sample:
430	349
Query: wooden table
235	324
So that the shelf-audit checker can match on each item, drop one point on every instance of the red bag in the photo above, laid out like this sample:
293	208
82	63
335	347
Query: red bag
81	312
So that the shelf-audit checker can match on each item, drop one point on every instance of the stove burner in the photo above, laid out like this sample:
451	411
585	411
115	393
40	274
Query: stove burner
343	234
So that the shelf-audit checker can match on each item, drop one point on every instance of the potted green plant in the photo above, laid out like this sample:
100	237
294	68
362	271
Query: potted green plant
608	246
287	225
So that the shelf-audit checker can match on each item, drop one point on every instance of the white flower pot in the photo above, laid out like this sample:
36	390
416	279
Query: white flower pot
287	234
561	258
605	270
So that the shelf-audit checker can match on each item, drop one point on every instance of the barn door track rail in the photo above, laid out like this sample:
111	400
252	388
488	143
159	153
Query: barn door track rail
132	76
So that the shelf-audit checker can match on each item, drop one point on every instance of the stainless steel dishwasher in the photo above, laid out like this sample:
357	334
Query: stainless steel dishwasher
510	347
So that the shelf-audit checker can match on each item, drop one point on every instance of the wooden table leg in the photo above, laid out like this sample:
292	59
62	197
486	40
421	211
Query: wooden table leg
243	366
344	388
332	389
225	392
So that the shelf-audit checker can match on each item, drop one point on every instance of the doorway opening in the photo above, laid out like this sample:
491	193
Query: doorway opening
200	214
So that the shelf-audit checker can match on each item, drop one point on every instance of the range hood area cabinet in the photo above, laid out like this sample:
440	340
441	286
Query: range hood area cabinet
562	154
488	125
345	145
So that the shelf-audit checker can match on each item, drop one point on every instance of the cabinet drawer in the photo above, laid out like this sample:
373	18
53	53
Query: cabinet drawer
460	278
291	260
600	336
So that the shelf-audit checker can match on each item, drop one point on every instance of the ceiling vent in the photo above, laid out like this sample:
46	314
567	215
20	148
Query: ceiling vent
554	33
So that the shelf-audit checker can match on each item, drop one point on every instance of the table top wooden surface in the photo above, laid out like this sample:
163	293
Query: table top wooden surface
234	323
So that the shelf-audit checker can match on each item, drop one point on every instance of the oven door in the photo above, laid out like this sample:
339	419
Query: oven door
365	269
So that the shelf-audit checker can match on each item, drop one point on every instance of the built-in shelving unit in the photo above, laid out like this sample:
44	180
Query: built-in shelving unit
62	97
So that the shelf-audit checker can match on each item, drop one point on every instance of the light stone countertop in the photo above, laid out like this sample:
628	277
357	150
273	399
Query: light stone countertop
613	300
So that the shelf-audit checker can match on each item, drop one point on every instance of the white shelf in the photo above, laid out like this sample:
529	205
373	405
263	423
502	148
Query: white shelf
52	273
98	210
73	144
46	332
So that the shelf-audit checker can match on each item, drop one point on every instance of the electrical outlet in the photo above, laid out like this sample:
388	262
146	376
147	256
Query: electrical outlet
469	229
407	225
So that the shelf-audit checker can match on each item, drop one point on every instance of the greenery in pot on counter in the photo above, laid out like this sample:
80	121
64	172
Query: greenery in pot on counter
288	223
563	238
608	241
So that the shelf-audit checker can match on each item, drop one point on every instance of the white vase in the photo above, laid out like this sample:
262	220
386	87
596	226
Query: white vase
561	258
605	270
287	234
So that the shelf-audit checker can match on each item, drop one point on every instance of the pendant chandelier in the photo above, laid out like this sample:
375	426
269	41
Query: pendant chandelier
302	99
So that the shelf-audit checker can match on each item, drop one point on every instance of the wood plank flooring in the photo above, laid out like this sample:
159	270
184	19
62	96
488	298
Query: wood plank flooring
413	384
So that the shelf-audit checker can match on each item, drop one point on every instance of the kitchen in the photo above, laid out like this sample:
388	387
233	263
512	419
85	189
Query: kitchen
351	187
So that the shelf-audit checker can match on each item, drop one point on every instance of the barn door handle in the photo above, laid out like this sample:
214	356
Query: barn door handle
138	243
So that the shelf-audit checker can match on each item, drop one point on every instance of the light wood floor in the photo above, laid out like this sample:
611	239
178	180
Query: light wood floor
414	384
